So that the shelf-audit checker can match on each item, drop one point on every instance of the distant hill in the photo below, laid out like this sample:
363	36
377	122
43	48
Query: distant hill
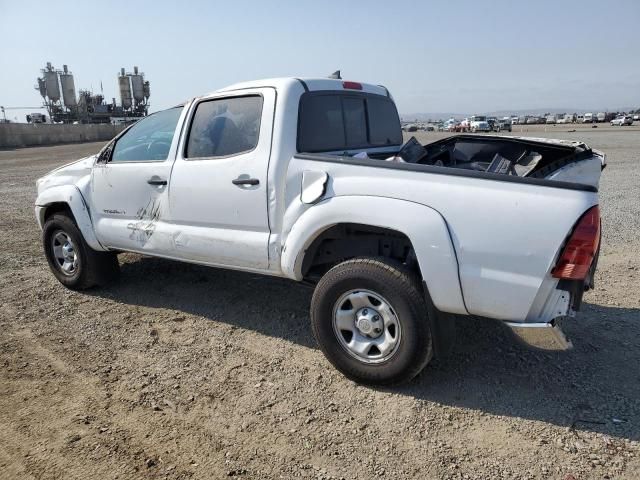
423	117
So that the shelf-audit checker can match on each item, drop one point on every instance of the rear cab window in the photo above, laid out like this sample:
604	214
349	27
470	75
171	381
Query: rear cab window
225	127
340	121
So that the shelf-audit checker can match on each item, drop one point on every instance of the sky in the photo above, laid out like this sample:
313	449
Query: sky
434	56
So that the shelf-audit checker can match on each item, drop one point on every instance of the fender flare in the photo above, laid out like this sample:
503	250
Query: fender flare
70	195
425	227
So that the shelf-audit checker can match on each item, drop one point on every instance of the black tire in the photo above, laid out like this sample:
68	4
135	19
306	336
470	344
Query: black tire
402	290
91	267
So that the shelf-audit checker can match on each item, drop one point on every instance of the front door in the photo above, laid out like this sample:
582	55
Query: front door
218	193
129	184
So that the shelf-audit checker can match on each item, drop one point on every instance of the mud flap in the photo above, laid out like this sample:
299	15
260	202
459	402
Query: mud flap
442	326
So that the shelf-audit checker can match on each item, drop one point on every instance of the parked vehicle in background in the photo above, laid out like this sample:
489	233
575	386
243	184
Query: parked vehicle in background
601	117
530	120
636	117
580	118
588	118
462	126
502	124
451	125
478	123
37	118
622	120
515	120
397	239
492	121
550	119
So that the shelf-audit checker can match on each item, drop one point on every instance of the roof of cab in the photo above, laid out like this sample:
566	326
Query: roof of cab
310	84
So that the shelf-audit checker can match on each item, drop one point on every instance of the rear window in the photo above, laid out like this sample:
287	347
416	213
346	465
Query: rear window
345	121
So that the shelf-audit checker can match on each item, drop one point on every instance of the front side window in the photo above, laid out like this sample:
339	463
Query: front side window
149	139
223	127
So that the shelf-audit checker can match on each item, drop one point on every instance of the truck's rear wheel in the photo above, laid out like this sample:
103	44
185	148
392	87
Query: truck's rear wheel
74	263
370	319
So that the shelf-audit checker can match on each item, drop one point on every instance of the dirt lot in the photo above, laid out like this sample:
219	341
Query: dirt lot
180	371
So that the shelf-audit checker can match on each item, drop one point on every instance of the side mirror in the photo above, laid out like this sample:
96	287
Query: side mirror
105	154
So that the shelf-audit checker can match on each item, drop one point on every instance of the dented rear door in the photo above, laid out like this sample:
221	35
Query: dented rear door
218	190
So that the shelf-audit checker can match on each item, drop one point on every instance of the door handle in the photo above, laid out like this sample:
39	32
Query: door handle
245	181
156	181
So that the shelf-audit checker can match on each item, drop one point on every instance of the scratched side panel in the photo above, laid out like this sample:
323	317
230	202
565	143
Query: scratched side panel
126	208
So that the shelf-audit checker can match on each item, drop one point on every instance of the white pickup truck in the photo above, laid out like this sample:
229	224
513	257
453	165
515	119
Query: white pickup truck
310	180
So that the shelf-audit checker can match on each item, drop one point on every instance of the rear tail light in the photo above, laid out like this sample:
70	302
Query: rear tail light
352	85
578	253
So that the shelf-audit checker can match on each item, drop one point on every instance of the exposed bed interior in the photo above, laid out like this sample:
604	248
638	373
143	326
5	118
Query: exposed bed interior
486	154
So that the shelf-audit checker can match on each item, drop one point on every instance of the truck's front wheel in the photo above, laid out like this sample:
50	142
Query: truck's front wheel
370	319
74	263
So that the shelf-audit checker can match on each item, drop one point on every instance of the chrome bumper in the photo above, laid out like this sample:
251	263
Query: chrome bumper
545	336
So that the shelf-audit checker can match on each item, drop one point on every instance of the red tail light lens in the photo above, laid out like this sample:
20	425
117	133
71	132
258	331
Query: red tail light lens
575	261
352	85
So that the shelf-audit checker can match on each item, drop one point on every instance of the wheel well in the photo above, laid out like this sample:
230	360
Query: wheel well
349	240
58	207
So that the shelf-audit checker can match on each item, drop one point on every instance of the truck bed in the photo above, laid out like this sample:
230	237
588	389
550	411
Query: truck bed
506	230
570	165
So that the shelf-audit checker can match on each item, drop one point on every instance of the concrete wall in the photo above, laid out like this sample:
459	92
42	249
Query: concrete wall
14	135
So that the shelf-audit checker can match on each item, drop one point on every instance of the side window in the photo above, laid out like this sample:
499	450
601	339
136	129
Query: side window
321	126
355	121
329	121
149	139
383	122
223	127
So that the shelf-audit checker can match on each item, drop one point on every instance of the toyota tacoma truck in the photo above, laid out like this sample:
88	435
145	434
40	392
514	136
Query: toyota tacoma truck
311	180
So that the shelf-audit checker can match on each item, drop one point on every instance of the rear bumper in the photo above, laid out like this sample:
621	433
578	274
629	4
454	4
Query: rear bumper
543	336
564	301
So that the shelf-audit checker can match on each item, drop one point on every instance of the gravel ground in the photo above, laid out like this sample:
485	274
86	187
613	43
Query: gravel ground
180	371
